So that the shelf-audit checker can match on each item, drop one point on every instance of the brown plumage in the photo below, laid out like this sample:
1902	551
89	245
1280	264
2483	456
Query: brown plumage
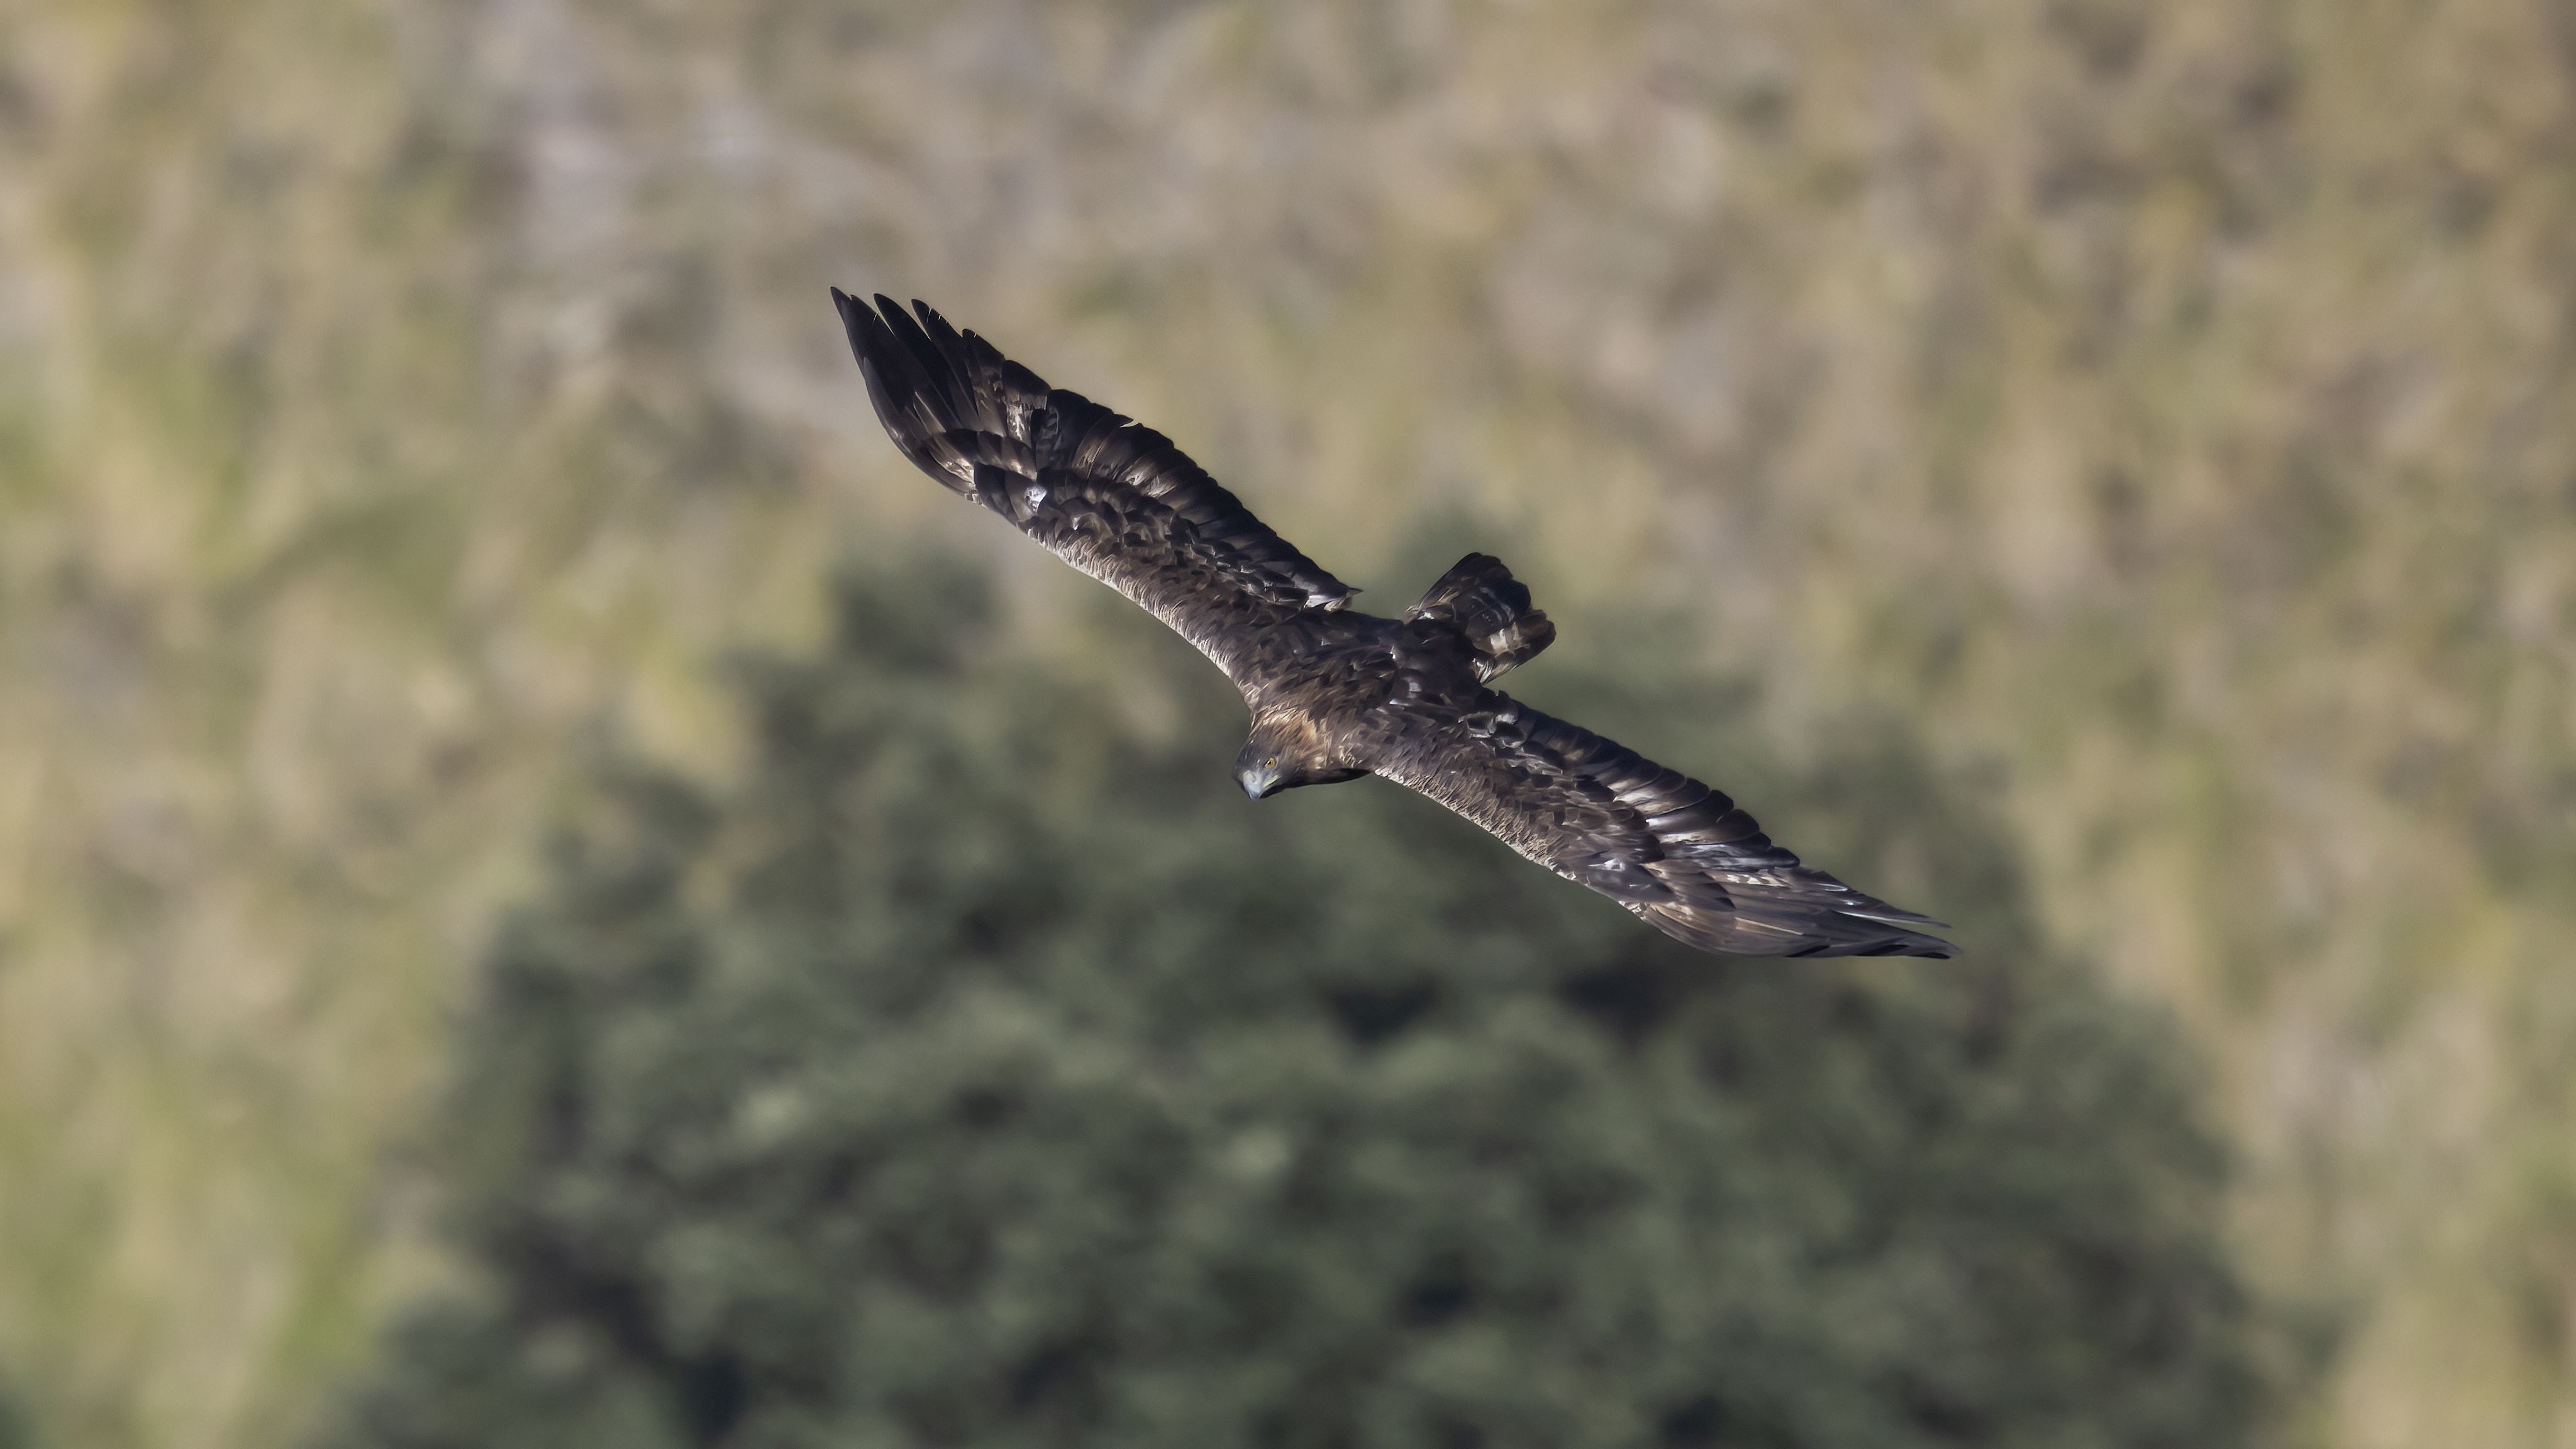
1337	694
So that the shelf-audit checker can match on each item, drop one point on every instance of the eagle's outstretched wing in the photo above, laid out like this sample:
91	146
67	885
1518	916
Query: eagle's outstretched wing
1667	847
1113	499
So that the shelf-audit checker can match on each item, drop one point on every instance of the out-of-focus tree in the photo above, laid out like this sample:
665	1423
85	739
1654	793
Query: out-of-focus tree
15	1432
979	1071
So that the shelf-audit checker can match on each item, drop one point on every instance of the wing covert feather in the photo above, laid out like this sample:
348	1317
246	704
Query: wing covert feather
1678	853
1116	500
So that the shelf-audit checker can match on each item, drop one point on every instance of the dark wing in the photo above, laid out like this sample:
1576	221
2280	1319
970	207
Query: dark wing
1667	847
1113	499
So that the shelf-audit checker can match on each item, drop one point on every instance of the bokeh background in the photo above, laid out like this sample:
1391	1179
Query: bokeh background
2160	416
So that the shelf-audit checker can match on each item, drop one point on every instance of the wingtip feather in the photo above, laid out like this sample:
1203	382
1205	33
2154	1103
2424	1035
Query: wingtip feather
1739	933
855	321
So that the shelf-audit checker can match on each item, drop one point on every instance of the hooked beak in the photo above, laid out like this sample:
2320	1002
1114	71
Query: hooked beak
1258	783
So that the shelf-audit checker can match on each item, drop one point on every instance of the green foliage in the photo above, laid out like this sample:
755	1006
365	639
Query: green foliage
15	1432
979	1071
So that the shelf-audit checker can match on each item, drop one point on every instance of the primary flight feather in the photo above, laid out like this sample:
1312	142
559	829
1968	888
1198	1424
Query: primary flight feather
1337	694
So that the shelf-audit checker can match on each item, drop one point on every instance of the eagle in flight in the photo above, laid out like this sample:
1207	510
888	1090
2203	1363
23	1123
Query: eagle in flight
1335	693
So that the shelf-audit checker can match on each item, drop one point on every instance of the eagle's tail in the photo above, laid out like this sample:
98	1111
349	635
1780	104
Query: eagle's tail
1481	599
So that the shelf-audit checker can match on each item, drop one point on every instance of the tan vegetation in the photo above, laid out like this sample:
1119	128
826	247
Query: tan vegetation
2170	407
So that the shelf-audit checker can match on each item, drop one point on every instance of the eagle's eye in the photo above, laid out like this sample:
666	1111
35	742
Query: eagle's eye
1266	764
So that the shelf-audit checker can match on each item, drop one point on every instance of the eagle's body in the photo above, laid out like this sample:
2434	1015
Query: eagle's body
1335	693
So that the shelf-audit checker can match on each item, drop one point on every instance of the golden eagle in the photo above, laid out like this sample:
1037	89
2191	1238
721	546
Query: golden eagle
1335	693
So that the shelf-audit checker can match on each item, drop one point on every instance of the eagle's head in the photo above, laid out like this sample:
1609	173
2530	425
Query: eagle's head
1286	751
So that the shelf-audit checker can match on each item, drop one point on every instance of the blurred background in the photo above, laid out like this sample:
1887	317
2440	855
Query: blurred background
2101	472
